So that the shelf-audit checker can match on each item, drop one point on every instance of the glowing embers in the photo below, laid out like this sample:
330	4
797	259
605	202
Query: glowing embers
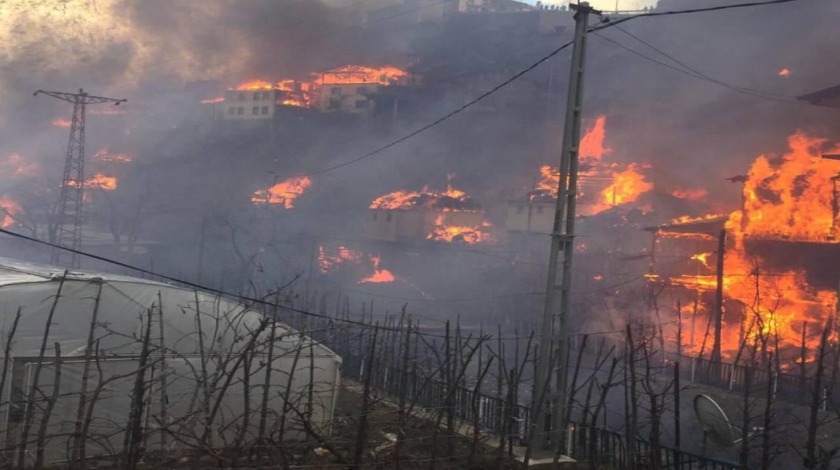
61	122
690	194
105	156
9	209
218	99
328	259
380	275
283	193
784	73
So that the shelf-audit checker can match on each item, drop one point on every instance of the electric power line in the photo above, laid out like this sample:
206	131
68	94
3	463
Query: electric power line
607	23
687	70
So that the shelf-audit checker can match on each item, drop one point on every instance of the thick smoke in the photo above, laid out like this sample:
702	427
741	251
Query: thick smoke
193	176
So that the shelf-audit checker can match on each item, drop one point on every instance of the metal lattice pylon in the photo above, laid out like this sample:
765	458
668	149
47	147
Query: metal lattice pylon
66	226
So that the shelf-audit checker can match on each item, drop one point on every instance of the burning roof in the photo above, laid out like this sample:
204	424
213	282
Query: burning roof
282	193
451	199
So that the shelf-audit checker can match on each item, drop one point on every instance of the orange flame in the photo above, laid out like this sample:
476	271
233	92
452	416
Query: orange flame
254	85
284	192
350	74
690	194
106	183
703	258
785	198
9	209
455	233
61	122
791	197
451	199
592	143
785	72
379	275
626	187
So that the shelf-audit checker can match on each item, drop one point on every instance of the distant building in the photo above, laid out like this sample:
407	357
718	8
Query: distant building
250	105
416	224
347	97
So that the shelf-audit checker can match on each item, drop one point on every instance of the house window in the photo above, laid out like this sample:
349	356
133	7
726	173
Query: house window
539	209
335	91
241	96
362	90
520	209
334	104
231	110
361	104
255	110
374	216
240	110
388	217
264	110
256	96
265	95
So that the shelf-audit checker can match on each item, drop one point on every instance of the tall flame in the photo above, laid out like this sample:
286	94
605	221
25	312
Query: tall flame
284	192
792	196
785	198
592	143
626	186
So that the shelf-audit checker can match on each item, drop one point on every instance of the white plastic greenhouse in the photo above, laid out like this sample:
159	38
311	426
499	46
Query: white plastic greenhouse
146	364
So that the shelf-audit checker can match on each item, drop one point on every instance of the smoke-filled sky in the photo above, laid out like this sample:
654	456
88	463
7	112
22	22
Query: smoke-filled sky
606	5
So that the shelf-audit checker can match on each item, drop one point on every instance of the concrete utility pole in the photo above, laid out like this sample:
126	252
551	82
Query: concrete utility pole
67	227
718	312
551	362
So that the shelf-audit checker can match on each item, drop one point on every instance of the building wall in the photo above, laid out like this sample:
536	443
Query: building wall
405	225
353	98
249	105
533	217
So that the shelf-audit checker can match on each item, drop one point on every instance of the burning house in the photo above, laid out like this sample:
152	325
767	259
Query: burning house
601	186
350	89
449	216
251	101
775	285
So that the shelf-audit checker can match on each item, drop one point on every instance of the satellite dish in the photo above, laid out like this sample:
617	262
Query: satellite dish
713	421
